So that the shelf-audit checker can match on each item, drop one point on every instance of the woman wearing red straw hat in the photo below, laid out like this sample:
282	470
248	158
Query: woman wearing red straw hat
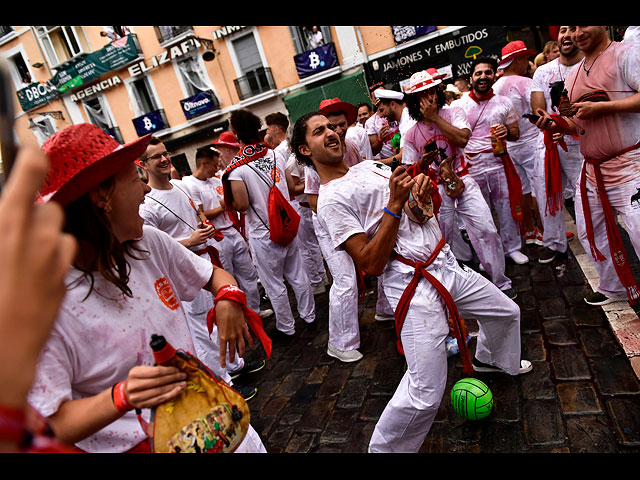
126	284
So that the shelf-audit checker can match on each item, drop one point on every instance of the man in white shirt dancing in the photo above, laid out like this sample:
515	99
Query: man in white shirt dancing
369	211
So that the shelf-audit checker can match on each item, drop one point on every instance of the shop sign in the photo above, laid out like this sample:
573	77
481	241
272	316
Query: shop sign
164	57
114	55
198	104
149	123
404	34
458	49
316	60
35	95
96	88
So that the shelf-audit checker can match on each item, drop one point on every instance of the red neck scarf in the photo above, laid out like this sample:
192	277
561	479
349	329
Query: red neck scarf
486	96
616	247
553	169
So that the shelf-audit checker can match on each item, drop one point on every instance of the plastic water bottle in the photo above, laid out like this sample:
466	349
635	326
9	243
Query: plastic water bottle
451	344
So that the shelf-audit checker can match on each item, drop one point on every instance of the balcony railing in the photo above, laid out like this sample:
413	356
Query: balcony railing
254	82
167	35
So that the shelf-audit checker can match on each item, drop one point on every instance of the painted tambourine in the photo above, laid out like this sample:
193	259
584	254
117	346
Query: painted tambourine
418	211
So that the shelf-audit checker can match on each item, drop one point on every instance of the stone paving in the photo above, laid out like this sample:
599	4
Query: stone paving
581	397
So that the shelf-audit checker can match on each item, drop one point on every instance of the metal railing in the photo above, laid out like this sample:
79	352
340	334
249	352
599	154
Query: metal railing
254	82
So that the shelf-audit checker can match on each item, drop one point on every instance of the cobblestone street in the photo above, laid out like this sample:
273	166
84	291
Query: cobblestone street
581	397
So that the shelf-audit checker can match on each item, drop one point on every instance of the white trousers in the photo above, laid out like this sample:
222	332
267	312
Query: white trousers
275	264
251	443
624	204
207	346
475	213
344	329
493	185
524	160
309	247
555	230
236	259
408	416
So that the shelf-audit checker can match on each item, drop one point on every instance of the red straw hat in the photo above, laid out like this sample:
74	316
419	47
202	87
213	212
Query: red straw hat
82	157
332	105
227	140
514	49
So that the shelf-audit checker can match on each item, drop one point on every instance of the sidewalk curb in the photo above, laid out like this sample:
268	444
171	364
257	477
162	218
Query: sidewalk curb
624	321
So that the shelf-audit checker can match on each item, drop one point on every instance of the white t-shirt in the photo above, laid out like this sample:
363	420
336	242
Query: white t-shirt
481	116
358	135
355	202
96	341
283	150
544	76
421	134
518	89
298	173
373	125
616	71
174	214
405	124
351	157
208	194
270	170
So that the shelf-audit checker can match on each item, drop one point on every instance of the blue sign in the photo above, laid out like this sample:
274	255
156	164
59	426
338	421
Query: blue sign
150	122
200	103
316	60
404	34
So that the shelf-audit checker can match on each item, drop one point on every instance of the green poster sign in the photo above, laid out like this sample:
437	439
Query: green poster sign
111	57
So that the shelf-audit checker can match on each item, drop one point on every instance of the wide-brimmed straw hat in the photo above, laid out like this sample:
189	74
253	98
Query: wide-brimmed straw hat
81	158
422	80
226	139
333	105
514	49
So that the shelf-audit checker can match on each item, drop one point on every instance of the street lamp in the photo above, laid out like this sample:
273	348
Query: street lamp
210	51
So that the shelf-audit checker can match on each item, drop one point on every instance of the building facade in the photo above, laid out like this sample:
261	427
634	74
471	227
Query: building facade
182	82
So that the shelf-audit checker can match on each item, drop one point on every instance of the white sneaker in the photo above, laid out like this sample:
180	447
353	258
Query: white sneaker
525	367
265	313
347	357
384	317
318	288
519	257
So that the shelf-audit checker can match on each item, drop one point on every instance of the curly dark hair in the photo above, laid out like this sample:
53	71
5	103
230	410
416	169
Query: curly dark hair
412	102
298	137
491	61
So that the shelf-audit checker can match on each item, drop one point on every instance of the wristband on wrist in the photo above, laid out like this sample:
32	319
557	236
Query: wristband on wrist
12	424
391	213
120	399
